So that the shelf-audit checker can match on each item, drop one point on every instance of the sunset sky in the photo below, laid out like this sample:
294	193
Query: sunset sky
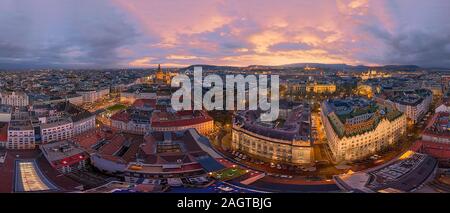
143	33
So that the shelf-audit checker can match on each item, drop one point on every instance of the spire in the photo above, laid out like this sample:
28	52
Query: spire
159	73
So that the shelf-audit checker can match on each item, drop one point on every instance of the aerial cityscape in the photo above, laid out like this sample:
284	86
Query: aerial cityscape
361	87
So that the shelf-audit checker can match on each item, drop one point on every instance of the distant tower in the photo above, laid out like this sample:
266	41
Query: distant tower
159	74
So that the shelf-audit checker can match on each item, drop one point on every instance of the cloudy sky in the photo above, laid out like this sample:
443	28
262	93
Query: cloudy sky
142	33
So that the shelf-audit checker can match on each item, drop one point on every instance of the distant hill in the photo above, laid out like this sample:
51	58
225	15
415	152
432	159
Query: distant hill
357	67
400	67
211	67
317	65
303	65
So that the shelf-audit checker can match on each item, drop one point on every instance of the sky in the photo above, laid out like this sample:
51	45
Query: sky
144	33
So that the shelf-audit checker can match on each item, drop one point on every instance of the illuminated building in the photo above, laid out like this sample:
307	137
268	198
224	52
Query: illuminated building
357	127
300	86
30	178
374	74
161	76
365	90
308	68
286	140
321	88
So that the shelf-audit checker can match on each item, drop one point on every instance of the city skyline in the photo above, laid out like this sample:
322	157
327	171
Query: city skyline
141	34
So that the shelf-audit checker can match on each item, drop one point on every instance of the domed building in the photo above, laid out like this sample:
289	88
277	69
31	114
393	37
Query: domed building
161	76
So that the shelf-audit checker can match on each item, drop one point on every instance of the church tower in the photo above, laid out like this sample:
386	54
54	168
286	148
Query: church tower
159	74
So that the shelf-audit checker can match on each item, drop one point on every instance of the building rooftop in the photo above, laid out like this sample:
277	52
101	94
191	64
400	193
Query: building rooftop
404	174
141	88
20	125
409	97
167	118
351	107
164	152
295	126
356	115
439	125
75	112
55	121
63	153
171	147
120	147
145	103
133	114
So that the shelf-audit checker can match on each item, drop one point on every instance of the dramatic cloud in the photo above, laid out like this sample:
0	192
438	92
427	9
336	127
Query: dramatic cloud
54	33
142	33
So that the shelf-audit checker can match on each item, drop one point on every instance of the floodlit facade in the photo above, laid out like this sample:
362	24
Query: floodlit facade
287	143
374	74
321	88
356	128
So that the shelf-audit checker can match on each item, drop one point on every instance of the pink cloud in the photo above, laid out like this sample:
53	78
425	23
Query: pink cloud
340	31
